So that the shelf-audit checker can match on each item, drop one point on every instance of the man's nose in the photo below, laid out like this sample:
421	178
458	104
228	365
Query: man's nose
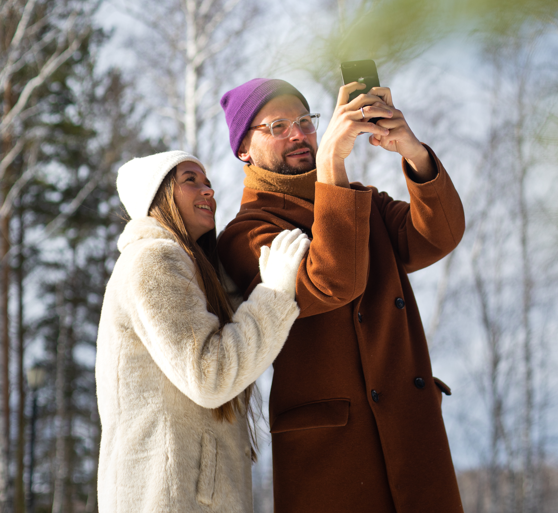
296	133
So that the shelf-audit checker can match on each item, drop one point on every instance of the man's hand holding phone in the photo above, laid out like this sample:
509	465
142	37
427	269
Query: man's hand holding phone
345	125
401	139
390	131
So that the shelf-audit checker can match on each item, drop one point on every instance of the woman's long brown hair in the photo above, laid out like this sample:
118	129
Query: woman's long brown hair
204	253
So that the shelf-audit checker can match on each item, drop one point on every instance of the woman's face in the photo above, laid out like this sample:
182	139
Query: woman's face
193	196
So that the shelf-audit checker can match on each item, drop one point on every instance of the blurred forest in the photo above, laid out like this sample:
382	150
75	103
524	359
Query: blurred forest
85	85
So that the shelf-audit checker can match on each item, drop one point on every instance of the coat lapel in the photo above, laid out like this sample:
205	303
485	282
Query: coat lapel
294	212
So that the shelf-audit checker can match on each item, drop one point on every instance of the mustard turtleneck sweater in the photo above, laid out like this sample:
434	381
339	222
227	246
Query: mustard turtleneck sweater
301	186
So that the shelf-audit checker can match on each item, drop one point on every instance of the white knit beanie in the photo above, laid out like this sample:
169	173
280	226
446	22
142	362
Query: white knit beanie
139	179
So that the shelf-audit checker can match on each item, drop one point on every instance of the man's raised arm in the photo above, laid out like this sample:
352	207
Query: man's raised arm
335	269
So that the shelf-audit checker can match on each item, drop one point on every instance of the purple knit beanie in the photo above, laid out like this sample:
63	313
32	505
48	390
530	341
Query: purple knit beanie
242	103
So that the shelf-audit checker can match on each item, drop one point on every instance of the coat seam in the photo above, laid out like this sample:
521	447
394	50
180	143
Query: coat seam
445	216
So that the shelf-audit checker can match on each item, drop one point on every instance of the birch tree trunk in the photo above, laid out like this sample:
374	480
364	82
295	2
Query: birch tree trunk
196	33
191	78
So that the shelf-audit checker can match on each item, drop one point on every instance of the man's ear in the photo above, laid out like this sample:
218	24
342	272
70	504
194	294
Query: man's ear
243	152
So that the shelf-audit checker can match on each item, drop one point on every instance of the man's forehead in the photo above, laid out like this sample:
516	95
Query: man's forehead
284	106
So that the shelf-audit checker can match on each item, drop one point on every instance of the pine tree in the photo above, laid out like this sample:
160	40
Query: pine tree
64	230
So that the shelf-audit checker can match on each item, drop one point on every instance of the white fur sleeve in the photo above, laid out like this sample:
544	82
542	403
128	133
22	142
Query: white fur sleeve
209	365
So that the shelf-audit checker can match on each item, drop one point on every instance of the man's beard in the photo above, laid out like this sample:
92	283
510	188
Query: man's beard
281	167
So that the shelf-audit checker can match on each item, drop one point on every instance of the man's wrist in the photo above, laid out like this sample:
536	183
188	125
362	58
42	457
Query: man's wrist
421	167
331	170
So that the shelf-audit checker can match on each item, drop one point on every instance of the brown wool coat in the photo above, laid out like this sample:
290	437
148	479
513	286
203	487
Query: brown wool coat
355	412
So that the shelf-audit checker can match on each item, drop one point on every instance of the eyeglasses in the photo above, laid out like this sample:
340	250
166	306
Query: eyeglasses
282	128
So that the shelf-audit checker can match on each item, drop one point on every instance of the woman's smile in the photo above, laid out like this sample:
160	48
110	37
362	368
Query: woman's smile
194	198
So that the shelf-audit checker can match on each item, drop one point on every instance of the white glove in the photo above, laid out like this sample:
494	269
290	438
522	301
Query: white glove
279	264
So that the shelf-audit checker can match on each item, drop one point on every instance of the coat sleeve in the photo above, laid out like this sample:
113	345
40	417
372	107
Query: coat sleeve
208	364
335	269
430	226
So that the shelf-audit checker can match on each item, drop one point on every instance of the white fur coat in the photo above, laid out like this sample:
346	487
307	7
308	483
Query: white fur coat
161	364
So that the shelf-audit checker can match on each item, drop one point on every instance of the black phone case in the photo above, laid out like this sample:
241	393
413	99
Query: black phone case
361	71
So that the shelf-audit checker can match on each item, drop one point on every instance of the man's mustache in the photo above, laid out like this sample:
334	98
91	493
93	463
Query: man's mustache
298	146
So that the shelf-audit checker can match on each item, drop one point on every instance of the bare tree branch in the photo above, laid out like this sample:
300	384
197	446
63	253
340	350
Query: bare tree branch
22	25
53	63
194	33
16	188
208	29
10	157
61	218
441	294
5	8
10	68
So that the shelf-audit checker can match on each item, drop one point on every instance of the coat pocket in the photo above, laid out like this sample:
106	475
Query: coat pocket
208	467
329	413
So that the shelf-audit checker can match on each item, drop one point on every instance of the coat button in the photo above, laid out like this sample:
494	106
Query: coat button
420	383
400	303
359	317
375	396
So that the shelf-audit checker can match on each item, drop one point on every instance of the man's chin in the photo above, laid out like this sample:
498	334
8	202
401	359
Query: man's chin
299	169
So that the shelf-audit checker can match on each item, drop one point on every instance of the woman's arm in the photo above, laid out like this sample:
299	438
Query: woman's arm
209	365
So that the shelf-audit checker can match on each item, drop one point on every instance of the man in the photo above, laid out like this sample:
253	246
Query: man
355	413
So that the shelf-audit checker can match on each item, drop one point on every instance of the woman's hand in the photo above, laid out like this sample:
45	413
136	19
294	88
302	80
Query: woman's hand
279	264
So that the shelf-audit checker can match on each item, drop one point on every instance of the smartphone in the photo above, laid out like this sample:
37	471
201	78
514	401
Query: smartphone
361	71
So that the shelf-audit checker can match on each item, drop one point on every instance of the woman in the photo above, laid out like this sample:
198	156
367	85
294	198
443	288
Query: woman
174	364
